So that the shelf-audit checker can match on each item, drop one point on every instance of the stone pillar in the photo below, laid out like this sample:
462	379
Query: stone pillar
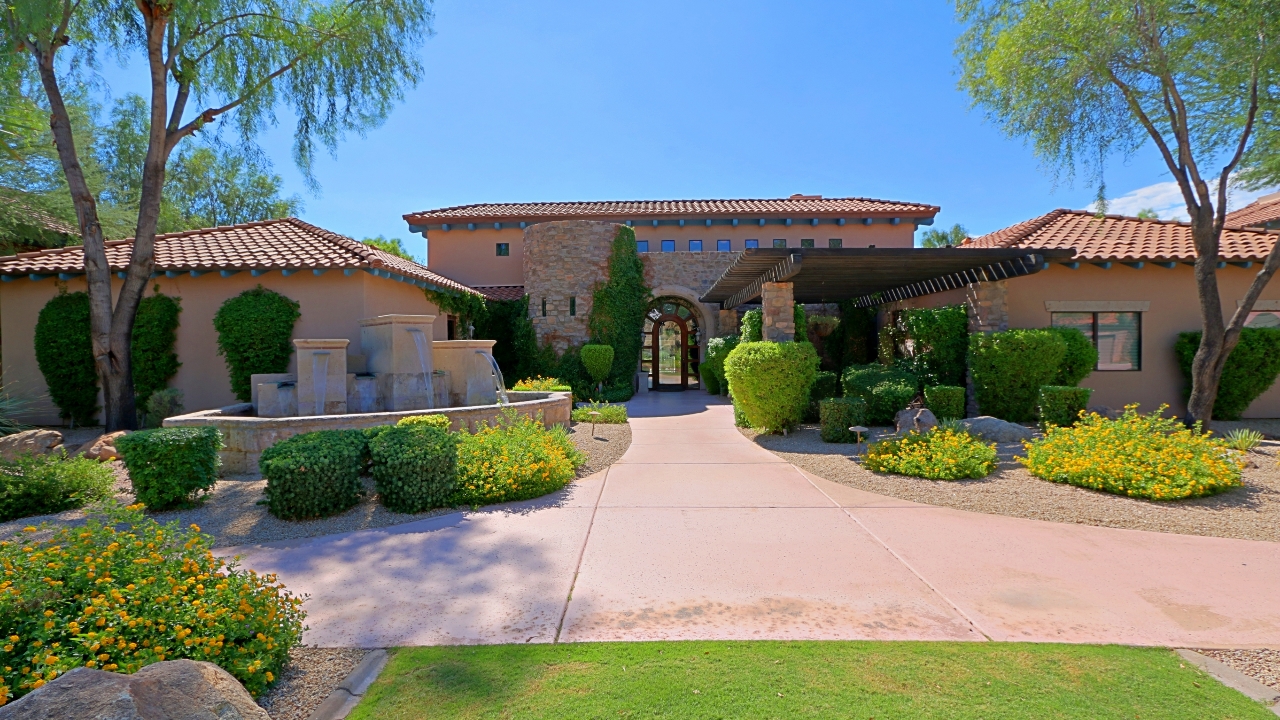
322	376
779	312
728	322
988	306
397	350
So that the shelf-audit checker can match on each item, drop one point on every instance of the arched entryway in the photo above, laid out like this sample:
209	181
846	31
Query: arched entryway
673	339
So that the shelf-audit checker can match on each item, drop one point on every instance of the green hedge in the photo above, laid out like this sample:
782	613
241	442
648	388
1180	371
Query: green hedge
826	384
710	382
886	390
1250	370
64	353
155	333
168	466
837	415
1009	367
43	484
946	402
770	381
1079	360
939	338
752	329
1061	405
415	467
315	474
438	421
254	333
801	321
617	312
718	348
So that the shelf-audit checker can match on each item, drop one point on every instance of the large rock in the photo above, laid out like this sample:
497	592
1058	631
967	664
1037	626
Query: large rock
922	420
104	448
996	430
170	690
29	442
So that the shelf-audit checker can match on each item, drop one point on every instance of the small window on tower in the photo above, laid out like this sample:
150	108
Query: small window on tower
722	246
668	246
642	246
544	307
751	244
573	306
695	246
504	249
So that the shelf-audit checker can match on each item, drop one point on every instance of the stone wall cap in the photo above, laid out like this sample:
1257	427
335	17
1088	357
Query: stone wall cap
398	319
322	344
449	344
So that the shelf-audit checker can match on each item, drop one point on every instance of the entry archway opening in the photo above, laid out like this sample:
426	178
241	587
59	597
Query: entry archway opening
672	345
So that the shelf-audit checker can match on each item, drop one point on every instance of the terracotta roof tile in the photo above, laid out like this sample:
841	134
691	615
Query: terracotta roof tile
1117	237
1260	212
288	243
501	292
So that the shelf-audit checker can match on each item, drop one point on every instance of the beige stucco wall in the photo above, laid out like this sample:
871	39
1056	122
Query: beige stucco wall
332	305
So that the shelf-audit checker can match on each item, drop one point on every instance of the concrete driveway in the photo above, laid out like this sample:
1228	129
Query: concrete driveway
699	533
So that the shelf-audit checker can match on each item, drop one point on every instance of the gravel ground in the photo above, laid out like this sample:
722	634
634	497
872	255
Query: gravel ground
1251	512
309	677
1261	665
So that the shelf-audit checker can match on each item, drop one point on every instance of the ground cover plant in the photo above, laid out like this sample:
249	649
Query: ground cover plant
517	458
1243	439
770	381
169	466
42	484
435	420
1146	456
609	414
770	679
940	454
1249	371
123	591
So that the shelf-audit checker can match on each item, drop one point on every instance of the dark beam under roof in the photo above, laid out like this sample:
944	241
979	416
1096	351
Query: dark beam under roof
871	276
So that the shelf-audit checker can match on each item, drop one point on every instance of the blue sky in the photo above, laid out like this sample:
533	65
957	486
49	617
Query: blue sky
575	100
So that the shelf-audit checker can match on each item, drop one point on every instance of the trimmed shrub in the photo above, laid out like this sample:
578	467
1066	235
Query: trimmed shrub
1061	405
516	459
617	313
939	339
710	382
64	353
1250	370
718	348
886	400
163	403
315	474
438	421
598	360
837	415
168	466
770	381
752	328
1080	358
826	384
122	591
610	414
1009	367
155	332
800	319
43	484
1146	456
946	402
415	467
886	390
739	417
940	454
254	332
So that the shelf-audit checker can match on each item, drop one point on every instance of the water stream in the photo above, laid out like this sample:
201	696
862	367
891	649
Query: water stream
499	384
319	378
425	364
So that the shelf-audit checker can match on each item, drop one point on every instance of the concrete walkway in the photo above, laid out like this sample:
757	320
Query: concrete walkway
699	533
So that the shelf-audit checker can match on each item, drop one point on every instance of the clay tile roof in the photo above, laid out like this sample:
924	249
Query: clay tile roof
288	243
34	216
501	292
1117	237
1264	210
796	205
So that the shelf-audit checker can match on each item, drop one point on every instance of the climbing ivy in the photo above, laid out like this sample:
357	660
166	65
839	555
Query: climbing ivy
64	353
468	308
254	332
155	332
516	349
618	307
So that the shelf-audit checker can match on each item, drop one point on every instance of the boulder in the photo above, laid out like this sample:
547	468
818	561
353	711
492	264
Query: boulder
1105	412
104	448
170	690
995	430
922	420
29	442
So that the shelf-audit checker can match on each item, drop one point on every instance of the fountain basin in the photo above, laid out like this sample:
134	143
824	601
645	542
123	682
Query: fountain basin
245	436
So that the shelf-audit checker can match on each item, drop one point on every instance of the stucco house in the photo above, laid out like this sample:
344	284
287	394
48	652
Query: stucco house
336	280
1262	214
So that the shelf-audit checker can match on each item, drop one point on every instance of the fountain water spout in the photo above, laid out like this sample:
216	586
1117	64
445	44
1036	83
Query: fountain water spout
320	378
424	363
499	384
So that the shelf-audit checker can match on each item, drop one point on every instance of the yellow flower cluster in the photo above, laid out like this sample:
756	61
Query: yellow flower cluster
123	591
539	383
939	454
1145	456
516	459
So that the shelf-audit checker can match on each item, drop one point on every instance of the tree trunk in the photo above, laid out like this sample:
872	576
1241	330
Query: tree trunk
1206	368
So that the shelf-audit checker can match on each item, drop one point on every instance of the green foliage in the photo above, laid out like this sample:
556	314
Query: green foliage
254	333
415	466
515	459
162	404
770	381
1009	367
885	389
314	474
887	344
837	415
752	327
800	318
545	384
64	353
1079	360
826	384
11	406
718	348
945	401
609	414
1061	405
936	455
168	466
1243	439
155	332
710	382
439	421
618	307
121	591
1250	369
938	238
940	338
468	309
853	342
44	484
516	349
598	360
389	245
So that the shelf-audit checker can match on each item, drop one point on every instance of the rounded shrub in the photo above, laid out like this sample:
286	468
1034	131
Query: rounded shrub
940	454
515	459
710	382
946	402
1080	358
122	591
42	484
770	381
1061	405
718	348
1009	367
837	415
314	474
438	421
598	360
1250	370
415	467
886	389
254	332
753	326
64	353
168	466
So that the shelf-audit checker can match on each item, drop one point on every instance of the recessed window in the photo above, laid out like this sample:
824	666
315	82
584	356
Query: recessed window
751	244
806	242
835	243
642	246
573	306
1117	335
780	242
668	246
504	249
722	246
544	307
695	246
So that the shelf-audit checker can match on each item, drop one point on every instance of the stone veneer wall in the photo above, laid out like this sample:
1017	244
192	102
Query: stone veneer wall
696	271
562	260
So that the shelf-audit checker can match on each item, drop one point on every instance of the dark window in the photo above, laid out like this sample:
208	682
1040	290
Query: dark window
504	249
544	307
573	306
451	327
1117	335
668	246
751	244
836	243
695	246
806	242
780	242
642	246
722	246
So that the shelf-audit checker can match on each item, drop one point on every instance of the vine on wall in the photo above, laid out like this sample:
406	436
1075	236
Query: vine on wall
469	309
516	349
618	307
155	333
254	333
64	353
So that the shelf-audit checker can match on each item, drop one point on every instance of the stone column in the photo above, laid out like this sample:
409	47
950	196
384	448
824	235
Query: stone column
322	376
988	306
728	322
779	312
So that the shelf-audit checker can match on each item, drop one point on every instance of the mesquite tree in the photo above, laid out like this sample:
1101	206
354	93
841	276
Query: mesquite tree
337	65
1083	79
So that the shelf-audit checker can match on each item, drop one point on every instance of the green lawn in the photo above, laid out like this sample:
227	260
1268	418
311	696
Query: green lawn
797	679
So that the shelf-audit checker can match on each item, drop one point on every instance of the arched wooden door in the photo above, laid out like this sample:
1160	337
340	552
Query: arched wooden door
671	345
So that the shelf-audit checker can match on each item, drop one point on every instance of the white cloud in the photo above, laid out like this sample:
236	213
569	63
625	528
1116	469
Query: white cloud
1166	199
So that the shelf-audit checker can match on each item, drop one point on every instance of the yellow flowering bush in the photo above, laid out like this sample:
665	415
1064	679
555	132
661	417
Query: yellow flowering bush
940	454
544	384
516	459
1145	456
123	591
